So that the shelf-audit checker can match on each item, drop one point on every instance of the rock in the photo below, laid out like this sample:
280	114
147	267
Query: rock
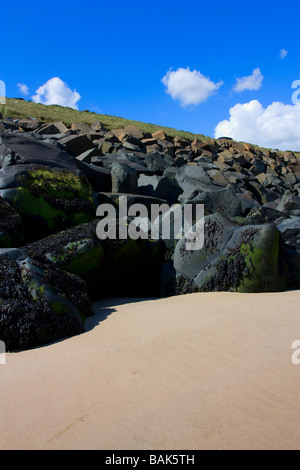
294	166
290	231
8	124
108	147
217	177
133	162
136	132
157	162
22	150
289	224
97	126
11	226
258	167
196	147
243	160
53	128
87	156
148	142
189	176
268	180
129	146
99	178
217	233
180	142
291	237
160	187
81	128
160	134
39	303
243	259
247	202
262	215
124	178
30	125
48	199
215	199
166	147
225	156
261	194
120	133
75	145
289	204
111	268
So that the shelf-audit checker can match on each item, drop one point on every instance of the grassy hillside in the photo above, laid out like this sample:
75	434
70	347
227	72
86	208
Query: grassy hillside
18	108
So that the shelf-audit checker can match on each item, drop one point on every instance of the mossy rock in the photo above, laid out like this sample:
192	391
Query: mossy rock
50	200
249	263
247	258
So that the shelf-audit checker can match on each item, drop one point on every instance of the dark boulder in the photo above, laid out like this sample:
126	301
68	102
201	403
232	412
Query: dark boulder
21	150
11	226
48	199
39	303
242	259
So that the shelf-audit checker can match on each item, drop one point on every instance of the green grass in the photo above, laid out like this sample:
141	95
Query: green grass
18	108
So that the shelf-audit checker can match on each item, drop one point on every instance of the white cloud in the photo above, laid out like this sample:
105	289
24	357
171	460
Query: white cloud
277	126
23	89
55	91
251	82
189	87
283	53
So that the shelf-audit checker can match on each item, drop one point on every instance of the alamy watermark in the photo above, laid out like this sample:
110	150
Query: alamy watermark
296	353
163	222
295	95
2	92
2	353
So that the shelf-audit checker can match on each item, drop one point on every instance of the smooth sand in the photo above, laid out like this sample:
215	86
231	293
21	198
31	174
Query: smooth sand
201	371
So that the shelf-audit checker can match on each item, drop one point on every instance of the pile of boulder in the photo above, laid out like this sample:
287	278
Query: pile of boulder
52	179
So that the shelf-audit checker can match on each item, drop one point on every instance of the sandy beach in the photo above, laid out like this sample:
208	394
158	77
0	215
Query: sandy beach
201	371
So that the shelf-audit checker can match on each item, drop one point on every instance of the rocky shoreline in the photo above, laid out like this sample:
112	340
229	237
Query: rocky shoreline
52	179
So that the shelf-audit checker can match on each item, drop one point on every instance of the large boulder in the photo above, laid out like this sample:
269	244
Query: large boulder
124	178
39	303
76	144
242	259
214	199
16	150
48	199
162	187
99	178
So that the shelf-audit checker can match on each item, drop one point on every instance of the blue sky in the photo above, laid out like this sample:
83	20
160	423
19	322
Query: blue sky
116	54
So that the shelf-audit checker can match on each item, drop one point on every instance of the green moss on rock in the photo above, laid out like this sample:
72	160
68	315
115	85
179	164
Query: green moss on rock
50	200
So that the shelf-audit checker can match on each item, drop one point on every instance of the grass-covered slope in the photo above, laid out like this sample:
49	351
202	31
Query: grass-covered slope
19	108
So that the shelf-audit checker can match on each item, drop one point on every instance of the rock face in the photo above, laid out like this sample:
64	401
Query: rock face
53	177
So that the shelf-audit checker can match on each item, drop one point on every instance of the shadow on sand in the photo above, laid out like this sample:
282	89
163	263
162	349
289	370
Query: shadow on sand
104	308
